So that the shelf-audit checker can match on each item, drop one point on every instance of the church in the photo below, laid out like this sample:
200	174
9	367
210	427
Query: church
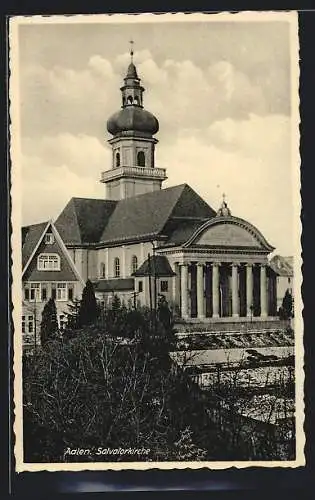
142	241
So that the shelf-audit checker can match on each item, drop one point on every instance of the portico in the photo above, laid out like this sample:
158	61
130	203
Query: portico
225	290
222	272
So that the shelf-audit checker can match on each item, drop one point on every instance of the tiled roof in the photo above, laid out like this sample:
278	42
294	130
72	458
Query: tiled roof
30	237
92	221
159	266
83	220
149	213
283	266
181	231
114	285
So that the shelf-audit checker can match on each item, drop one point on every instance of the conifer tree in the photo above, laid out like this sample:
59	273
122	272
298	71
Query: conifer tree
287	305
49	325
88	308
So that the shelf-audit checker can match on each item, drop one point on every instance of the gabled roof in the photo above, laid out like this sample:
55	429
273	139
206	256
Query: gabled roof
31	236
157	213
83	220
283	266
32	239
148	214
158	266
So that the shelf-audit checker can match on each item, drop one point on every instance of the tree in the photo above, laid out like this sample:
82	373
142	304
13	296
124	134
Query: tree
49	325
73	314
285	311
94	389
186	449
88	311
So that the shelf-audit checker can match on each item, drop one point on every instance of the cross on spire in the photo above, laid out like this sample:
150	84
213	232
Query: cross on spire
131	49
223	196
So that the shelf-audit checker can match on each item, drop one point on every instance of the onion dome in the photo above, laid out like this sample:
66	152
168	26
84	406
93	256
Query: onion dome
133	119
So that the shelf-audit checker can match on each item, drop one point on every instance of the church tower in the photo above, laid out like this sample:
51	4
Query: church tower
133	170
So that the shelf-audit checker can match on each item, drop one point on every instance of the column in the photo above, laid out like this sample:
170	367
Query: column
249	289
263	291
184	290
107	272
235	301
200	291
176	284
215	290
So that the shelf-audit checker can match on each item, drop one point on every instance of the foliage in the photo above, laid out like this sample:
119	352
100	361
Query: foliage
88	311
49	330
95	390
285	311
187	449
73	314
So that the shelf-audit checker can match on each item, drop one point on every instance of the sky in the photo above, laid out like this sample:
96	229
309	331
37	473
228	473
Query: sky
221	93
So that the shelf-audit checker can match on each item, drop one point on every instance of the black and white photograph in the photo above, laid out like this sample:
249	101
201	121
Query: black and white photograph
156	247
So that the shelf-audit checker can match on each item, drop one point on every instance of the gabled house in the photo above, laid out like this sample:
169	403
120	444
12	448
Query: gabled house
283	269
48	271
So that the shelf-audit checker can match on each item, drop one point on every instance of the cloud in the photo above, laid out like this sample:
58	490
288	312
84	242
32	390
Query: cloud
254	175
217	132
180	93
51	188
84	155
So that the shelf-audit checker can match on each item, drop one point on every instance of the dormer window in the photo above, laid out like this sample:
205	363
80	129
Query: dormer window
48	262
49	238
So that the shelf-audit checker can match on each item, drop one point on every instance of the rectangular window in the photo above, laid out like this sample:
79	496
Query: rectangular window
34	293
26	294
44	293
62	321
48	262
70	293
49	239
61	291
164	286
23	324
53	293
30	324
140	286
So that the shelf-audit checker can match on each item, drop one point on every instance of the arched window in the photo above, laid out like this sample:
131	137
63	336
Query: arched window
116	268
129	99
134	263
141	159
102	270
137	100
117	159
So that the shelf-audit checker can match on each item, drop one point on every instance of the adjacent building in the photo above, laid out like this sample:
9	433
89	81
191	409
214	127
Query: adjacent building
283	269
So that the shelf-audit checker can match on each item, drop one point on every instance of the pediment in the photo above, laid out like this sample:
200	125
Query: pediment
229	232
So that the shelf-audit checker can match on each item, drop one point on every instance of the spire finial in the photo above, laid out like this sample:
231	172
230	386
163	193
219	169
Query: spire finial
224	209
131	49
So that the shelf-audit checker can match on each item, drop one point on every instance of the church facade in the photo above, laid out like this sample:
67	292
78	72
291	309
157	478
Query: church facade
142	240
